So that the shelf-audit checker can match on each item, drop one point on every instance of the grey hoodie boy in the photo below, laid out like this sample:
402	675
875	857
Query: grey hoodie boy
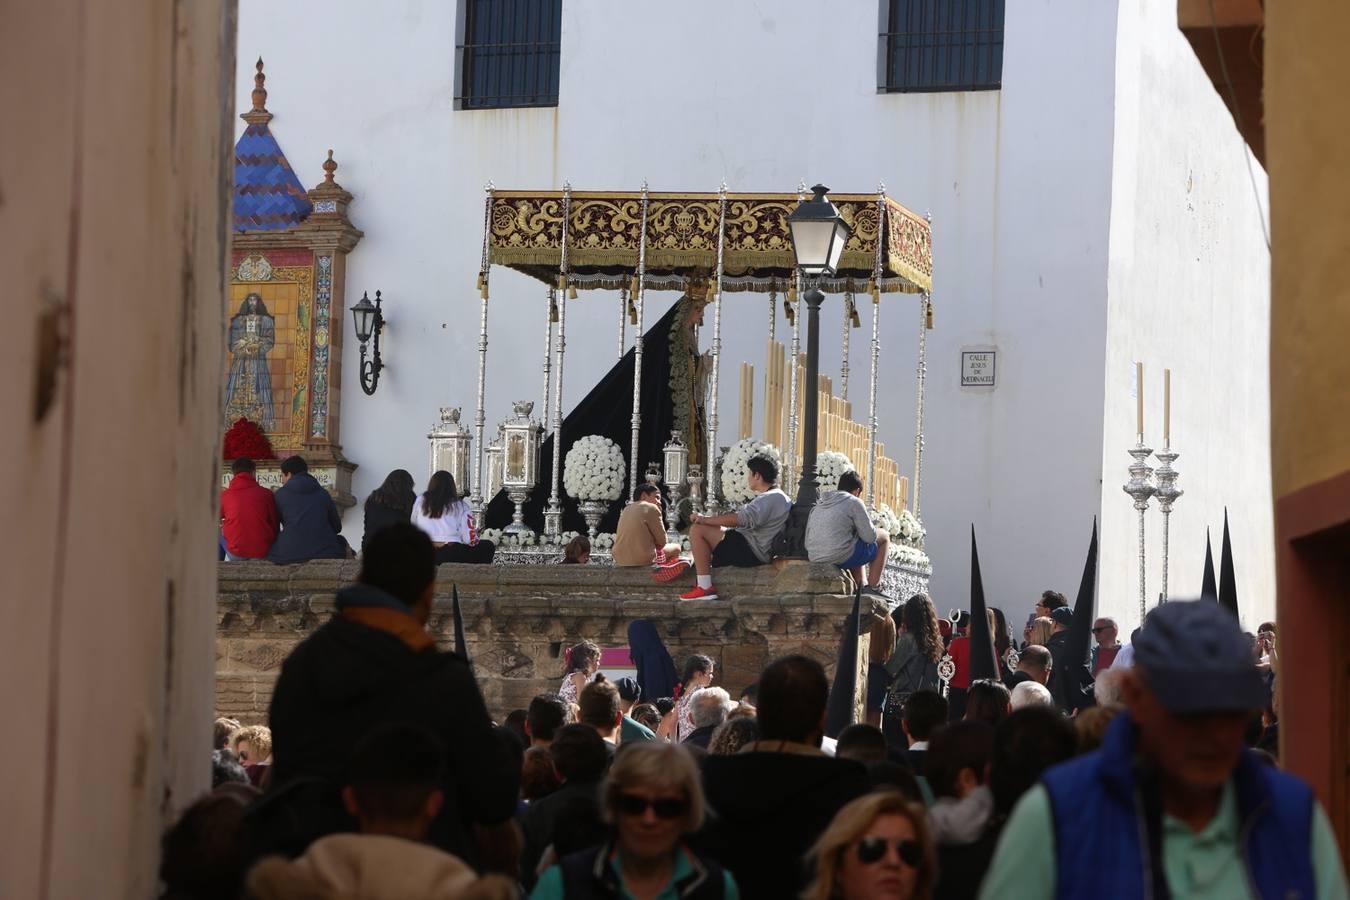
838	521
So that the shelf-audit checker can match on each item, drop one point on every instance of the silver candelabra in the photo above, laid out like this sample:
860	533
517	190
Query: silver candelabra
1140	487
1167	493
695	479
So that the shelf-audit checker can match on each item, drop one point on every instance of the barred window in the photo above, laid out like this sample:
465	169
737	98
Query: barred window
509	53
942	45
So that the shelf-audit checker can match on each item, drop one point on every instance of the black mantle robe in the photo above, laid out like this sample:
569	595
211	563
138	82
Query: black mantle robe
607	410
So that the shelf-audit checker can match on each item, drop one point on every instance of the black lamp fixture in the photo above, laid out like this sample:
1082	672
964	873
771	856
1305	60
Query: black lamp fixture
369	321
819	234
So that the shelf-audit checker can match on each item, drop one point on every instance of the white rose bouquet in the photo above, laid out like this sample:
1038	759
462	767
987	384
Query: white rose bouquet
603	541
594	469
911	530
829	466
735	481
886	519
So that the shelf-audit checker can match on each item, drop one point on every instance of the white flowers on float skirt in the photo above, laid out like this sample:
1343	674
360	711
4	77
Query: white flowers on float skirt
735	476
594	469
886	519
830	465
513	541
911	529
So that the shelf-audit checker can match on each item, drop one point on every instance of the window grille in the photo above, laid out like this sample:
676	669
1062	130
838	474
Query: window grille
509	53
942	45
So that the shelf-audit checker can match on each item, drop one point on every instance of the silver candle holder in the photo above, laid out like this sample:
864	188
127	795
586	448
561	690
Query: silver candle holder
1167	493
695	479
1141	488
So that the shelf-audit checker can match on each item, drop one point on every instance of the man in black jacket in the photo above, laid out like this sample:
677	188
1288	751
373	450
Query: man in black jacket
1070	681
374	664
310	525
775	797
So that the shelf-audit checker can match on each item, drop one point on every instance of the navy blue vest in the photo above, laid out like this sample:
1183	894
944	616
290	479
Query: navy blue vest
1108	825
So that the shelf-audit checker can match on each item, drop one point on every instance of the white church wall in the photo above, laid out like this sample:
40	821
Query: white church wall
1189	289
1017	181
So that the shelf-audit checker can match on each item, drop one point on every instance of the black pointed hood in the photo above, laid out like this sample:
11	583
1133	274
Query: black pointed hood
1084	606
839	708
1208	588
1228	598
983	663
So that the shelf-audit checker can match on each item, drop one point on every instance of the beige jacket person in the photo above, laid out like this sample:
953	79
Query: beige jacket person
640	534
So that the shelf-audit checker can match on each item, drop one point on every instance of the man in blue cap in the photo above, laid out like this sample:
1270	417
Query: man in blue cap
1173	805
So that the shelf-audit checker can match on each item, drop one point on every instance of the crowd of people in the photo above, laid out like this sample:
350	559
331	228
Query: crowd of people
301	522
381	774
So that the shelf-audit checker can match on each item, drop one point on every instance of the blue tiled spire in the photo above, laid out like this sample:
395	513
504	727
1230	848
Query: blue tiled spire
267	195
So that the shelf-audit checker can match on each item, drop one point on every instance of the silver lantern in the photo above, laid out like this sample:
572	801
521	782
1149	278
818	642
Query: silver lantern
676	456
494	468
520	461
450	445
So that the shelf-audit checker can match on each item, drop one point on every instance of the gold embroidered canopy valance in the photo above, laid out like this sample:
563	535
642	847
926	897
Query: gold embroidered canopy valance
890	249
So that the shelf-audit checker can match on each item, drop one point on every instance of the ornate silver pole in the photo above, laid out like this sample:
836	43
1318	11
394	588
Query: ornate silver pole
716	287
1140	487
849	313
876	352
922	373
1167	493
623	320
790	458
553	516
789	474
548	358
639	291
773	317
480	417
872	408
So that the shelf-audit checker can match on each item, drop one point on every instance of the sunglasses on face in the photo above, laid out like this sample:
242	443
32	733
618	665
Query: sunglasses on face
665	807
872	850
1100	628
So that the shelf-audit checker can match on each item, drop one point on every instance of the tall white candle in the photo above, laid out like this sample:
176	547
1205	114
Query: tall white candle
1167	408
1139	400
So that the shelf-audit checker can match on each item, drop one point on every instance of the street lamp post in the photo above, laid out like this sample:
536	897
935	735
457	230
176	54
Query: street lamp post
819	234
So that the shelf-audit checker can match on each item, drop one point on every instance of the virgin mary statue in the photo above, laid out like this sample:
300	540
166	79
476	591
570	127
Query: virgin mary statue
248	390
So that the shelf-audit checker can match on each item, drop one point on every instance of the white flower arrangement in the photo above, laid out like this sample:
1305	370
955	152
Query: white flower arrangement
886	519
735	478
902	555
911	531
603	541
518	541
594	469
829	466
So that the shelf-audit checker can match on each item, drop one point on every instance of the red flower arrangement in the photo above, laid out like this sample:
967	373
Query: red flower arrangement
245	439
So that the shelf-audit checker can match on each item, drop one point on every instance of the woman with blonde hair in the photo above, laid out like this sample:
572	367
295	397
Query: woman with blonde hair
877	848
1038	632
651	798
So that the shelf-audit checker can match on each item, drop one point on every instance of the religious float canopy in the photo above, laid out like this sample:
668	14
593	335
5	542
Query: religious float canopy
890	248
702	244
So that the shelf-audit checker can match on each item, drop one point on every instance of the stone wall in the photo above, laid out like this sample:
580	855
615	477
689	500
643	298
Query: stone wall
517	620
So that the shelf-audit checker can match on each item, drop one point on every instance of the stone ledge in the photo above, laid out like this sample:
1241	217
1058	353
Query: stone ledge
517	620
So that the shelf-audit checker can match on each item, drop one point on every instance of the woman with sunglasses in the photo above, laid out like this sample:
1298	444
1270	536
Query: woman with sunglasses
877	848
651	798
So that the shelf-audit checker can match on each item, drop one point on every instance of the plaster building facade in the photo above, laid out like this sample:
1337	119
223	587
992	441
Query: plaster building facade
1093	210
